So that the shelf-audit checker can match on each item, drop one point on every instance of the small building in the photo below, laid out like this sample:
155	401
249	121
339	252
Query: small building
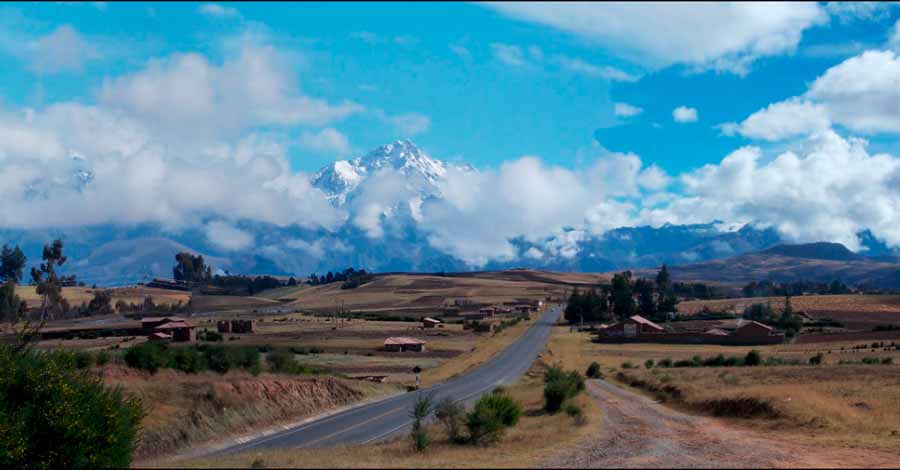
224	326
149	323
402	343
632	327
429	322
177	330
487	311
753	329
479	315
242	326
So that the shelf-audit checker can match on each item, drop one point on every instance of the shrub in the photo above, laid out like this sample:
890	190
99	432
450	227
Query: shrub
593	371
648	364
887	360
753	358
217	359
747	407
186	360
212	336
450	414
815	360
574	411
285	363
146	356
493	413
83	359
102	358
419	434
627	365
667	362
53	416
559	387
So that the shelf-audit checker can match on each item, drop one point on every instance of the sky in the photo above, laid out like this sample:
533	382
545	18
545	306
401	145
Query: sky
780	114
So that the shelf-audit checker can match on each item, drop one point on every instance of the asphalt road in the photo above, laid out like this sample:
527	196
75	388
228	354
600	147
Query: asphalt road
390	416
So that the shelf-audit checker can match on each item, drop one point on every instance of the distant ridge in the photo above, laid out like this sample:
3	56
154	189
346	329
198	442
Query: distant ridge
818	250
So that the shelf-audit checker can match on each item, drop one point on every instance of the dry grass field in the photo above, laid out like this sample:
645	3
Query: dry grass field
78	295
831	404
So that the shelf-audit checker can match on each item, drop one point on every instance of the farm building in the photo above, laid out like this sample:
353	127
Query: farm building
429	322
159	336
177	328
633	327
224	326
235	326
752	329
402	343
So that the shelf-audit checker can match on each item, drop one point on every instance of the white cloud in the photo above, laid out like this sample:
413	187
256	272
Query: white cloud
461	51
846	12
684	114
63	50
509	55
579	66
214	10
228	237
719	36
328	140
626	110
187	95
783	120
407	124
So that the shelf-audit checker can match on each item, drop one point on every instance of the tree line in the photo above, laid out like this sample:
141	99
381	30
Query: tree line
623	297
768	288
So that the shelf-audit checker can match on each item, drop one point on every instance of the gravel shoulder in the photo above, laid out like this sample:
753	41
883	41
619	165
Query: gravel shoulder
638	432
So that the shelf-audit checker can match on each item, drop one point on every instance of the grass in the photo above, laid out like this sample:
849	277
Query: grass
537	436
78	295
828	404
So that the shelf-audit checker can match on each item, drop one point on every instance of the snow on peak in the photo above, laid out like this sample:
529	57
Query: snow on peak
340	179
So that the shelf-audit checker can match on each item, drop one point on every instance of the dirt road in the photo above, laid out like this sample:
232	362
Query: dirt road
637	432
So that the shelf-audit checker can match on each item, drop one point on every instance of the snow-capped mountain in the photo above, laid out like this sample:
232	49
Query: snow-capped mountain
421	173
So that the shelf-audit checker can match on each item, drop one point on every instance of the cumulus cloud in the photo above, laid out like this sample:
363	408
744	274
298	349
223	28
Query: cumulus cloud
328	140
719	36
684	114
509	55
860	94
187	95
228	237
626	110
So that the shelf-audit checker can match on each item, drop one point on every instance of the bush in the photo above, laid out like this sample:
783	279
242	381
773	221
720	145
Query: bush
574	411
186	360
667	362
648	364
593	371
285	363
493	413
627	365
212	336
217	359
53	416
83	359
102	358
451	414
815	360
148	356
753	358
560	386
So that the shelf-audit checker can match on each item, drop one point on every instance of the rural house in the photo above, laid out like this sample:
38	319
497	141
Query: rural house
633	327
402	343
177	328
429	322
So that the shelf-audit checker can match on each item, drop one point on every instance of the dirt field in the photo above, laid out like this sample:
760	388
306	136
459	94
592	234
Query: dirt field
831	405
422	295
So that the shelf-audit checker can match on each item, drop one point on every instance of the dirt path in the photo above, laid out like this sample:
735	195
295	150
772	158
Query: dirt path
637	432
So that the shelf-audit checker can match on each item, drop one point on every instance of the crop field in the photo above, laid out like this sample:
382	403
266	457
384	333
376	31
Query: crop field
132	295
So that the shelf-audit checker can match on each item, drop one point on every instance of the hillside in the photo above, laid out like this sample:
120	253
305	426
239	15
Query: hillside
818	262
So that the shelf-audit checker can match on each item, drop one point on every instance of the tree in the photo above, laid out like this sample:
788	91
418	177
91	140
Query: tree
451	414
190	268
101	304
48	283
790	322
667	301
622	295
12	261
420	411
11	306
292	282
646	302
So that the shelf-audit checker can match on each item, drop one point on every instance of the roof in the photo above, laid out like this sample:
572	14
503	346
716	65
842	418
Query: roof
716	331
160	335
429	319
173	325
756	323
402	340
644	321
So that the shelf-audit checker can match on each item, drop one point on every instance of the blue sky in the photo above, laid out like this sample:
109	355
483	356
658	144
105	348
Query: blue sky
400	59
576	115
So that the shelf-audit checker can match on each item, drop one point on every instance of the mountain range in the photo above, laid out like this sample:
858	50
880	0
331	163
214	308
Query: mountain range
116	255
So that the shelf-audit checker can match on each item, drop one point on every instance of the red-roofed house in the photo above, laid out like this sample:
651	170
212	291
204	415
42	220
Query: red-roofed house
178	330
633	327
402	343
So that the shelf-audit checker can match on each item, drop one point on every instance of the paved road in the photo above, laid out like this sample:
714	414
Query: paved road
390	416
